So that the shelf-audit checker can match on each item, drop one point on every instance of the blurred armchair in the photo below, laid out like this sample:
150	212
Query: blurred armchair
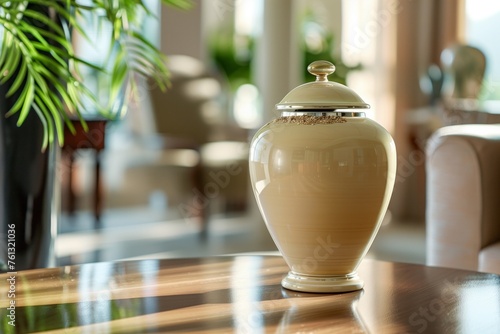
464	67
463	197
191	115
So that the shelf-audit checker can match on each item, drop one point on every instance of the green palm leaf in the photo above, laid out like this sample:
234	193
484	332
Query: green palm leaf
38	61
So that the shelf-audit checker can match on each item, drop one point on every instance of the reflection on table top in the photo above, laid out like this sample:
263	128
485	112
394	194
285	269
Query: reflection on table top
242	294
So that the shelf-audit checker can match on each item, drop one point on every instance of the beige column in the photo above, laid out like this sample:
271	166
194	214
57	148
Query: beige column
276	71
274	68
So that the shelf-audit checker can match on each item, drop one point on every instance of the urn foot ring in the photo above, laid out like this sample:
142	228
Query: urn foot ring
322	284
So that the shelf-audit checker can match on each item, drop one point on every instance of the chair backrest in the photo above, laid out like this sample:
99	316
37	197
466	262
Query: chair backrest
463	194
464	68
183	111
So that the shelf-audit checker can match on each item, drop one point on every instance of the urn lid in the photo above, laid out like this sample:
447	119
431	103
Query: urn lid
322	93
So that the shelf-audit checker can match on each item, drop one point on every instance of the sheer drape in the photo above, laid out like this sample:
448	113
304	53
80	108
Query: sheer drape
424	28
396	41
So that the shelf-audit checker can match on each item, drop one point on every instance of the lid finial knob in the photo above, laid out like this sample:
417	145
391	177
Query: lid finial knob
321	69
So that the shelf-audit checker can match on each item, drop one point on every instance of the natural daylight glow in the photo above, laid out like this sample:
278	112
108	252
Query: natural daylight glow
246	111
481	9
481	27
246	12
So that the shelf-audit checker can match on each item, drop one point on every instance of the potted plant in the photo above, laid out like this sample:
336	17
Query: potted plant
41	89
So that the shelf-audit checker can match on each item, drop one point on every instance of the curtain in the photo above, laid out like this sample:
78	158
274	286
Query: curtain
423	29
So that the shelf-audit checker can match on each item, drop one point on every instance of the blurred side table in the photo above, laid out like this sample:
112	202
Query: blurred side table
469	111
93	139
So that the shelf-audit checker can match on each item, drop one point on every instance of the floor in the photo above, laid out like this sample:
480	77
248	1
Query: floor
145	232
156	236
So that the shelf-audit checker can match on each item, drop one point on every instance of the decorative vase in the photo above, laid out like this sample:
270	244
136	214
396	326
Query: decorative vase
322	174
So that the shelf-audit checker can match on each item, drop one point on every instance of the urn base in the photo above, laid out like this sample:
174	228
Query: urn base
322	284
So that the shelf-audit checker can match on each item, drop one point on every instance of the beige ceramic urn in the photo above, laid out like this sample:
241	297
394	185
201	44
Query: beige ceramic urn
322	174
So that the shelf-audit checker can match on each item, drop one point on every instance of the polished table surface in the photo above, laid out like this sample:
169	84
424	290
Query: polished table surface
242	294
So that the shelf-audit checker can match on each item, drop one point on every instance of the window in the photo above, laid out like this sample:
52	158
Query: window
481	29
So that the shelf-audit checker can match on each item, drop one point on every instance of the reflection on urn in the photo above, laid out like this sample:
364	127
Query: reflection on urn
316	311
322	175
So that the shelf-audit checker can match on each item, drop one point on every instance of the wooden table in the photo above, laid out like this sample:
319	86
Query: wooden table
242	294
93	139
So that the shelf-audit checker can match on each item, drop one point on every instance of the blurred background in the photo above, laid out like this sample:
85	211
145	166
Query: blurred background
173	172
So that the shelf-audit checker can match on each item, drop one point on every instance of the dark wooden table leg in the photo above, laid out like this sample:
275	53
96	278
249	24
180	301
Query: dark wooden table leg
97	189
93	138
71	189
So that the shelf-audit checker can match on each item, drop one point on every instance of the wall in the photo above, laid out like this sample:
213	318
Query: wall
181	31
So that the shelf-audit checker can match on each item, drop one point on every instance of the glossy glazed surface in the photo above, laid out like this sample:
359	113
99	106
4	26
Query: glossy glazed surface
243	295
323	190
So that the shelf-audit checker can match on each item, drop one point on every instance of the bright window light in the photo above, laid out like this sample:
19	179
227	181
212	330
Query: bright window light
482	25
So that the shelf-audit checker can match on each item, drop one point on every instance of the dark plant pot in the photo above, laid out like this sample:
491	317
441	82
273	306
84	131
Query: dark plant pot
28	196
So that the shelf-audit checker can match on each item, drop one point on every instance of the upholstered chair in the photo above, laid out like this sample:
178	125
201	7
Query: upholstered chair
463	197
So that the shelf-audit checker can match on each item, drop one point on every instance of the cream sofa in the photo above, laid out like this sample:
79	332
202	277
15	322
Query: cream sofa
463	197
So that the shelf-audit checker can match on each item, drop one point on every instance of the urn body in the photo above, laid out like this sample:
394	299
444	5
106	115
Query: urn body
322	180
